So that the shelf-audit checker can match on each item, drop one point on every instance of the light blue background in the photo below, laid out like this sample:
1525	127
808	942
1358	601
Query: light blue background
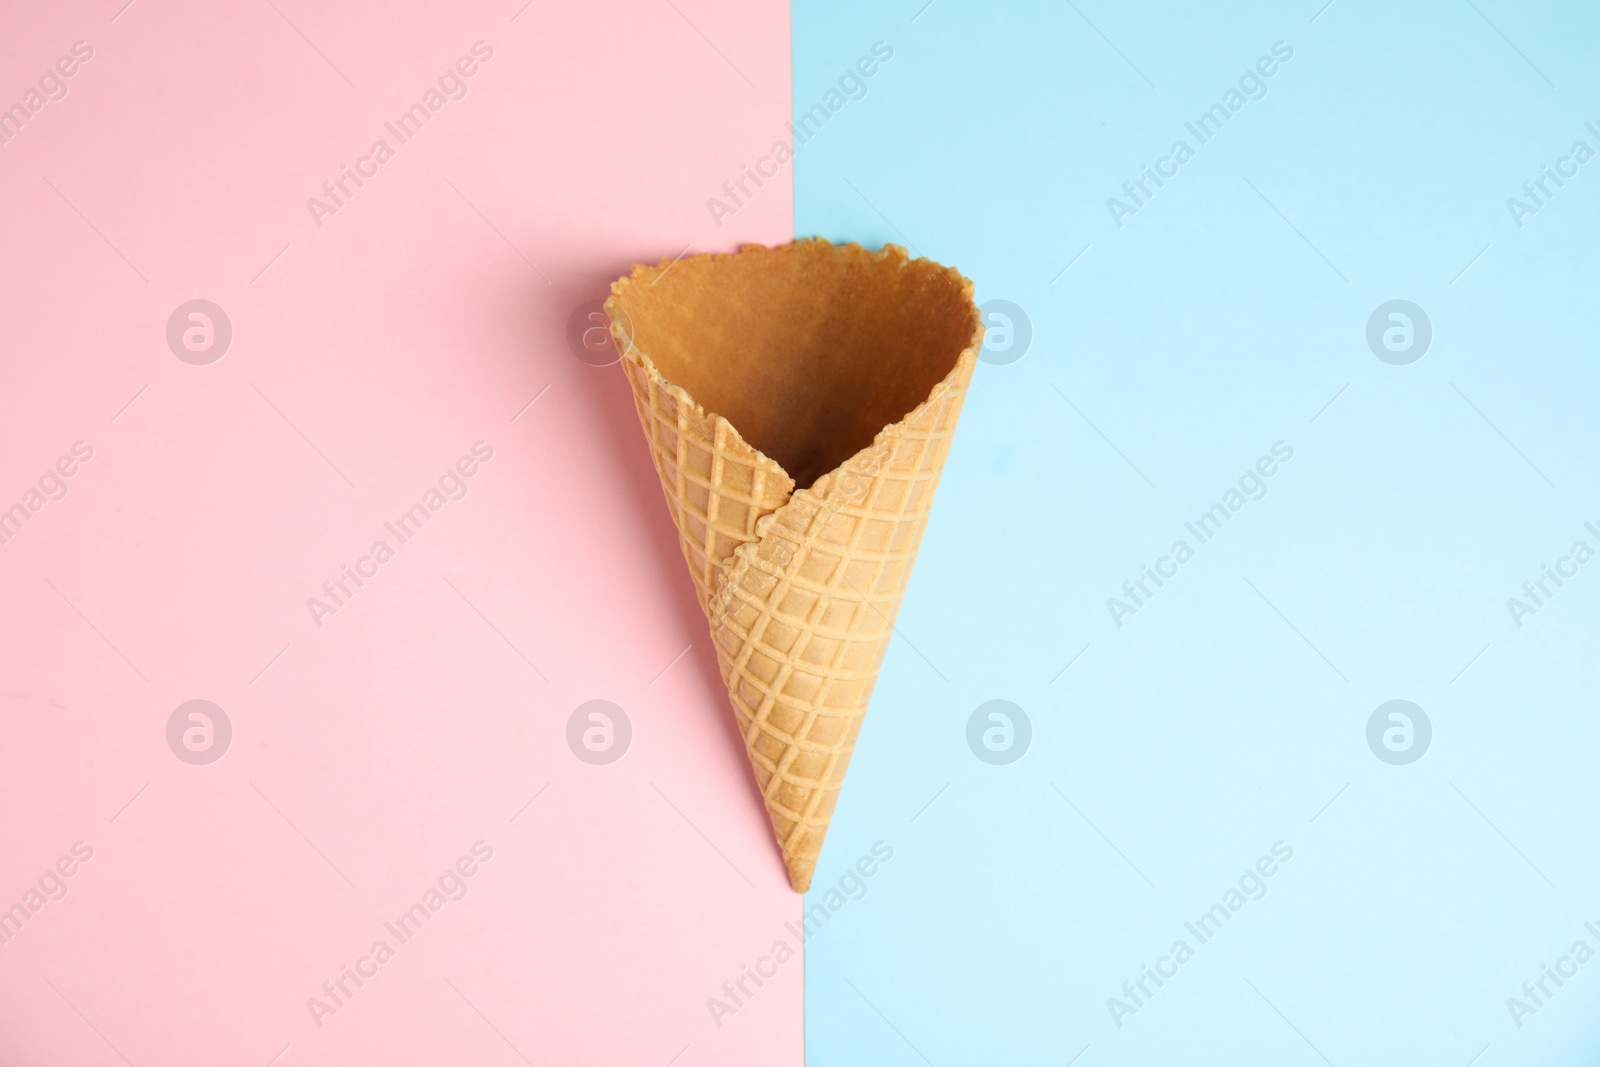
1226	714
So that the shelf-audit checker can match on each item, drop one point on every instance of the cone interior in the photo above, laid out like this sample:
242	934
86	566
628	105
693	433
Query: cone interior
808	350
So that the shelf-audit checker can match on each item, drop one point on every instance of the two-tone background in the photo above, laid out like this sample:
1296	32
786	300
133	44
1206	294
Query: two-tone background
1268	527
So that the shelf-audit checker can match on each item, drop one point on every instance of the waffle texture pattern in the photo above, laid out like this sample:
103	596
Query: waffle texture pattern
801	587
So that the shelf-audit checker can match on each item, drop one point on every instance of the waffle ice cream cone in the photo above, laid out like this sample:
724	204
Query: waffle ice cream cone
799	404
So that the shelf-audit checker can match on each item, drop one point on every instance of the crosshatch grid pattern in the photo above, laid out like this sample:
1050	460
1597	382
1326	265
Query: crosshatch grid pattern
716	485
801	658
799	644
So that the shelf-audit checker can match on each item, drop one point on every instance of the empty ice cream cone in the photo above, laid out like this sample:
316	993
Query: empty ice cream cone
799	403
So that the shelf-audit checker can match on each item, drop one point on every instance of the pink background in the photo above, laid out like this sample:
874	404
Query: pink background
369	754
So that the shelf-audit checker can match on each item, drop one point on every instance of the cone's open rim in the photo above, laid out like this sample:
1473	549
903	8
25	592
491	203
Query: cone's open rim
808	350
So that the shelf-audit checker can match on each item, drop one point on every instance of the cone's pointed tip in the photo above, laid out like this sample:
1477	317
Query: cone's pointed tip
800	869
